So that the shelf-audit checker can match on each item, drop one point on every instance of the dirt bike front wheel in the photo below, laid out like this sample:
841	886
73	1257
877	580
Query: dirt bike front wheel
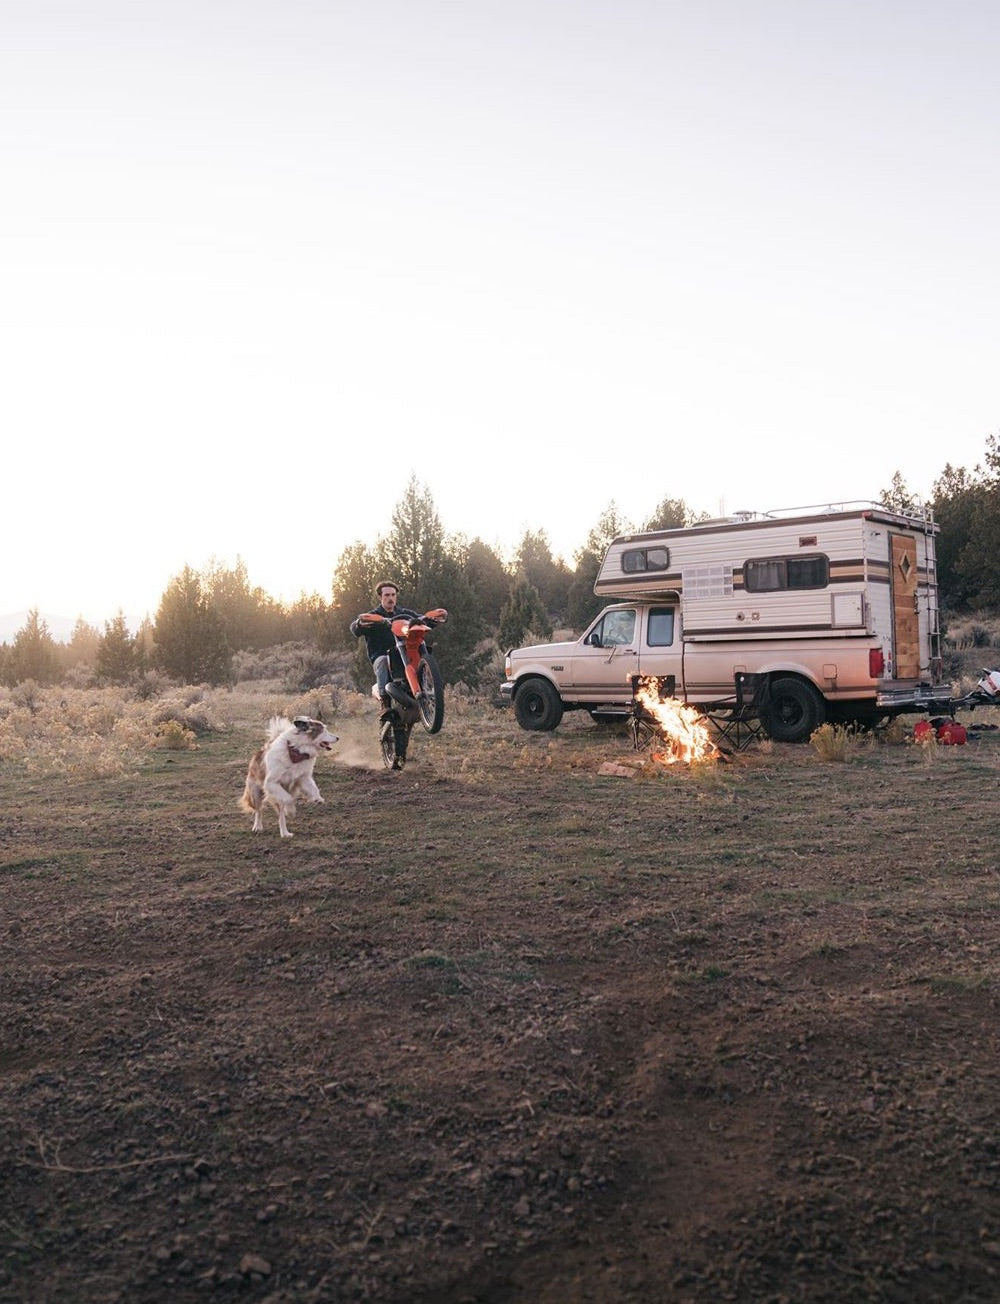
431	698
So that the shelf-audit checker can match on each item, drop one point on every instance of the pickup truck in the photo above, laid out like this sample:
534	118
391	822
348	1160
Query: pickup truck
809	680
833	609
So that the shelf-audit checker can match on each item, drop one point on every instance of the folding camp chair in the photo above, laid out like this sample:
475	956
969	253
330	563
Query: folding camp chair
645	728
740	720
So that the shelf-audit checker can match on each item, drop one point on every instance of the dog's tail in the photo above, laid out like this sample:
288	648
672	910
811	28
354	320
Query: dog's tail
253	789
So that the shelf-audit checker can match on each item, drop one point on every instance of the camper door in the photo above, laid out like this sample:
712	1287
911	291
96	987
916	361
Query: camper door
905	621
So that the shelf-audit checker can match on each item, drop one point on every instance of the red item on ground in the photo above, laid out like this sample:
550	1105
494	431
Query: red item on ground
952	733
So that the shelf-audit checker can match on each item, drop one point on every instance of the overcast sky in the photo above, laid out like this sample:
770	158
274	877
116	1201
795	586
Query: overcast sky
263	260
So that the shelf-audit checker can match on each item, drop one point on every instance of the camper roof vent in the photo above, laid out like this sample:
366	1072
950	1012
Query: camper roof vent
736	518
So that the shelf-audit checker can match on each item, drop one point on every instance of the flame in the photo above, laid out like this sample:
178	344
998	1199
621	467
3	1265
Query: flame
684	730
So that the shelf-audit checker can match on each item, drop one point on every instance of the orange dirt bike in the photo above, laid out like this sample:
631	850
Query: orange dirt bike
415	689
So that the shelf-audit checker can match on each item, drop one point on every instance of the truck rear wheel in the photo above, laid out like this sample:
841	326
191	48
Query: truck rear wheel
537	706
794	711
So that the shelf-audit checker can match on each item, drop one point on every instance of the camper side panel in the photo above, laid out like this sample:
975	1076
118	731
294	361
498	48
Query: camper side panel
795	579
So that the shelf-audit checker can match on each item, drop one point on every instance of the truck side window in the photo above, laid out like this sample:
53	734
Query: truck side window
617	629
660	632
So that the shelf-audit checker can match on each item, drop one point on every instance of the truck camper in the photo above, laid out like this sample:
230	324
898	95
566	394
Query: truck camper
834	608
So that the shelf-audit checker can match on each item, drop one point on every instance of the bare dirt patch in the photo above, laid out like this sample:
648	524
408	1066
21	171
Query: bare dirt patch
502	1028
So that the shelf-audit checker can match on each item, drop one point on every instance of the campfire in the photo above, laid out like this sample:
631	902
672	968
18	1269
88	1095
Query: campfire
685	732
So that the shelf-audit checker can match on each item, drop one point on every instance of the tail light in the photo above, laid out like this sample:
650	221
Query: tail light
876	662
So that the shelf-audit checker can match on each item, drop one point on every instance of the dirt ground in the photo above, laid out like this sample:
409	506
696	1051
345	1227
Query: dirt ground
500	1028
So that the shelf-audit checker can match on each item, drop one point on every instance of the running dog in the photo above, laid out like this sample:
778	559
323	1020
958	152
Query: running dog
282	770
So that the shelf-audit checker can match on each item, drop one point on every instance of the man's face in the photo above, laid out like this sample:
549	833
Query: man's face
388	599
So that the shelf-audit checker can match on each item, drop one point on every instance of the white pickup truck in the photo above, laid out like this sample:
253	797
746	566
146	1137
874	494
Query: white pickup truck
595	673
836	608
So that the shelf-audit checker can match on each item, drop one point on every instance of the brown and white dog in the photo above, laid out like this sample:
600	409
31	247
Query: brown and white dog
282	770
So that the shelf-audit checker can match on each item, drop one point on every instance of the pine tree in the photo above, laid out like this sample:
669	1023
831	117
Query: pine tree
190	637
535	564
117	653
523	613
33	654
669	514
413	552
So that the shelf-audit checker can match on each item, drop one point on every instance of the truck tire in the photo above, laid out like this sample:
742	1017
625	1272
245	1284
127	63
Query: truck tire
794	711
537	705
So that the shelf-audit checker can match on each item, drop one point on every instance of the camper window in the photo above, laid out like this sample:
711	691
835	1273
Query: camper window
660	632
637	560
767	574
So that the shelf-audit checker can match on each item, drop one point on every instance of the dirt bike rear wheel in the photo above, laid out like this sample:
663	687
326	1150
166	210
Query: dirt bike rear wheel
392	740
431	698
387	744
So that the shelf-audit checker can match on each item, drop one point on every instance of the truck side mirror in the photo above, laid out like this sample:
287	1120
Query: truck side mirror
594	639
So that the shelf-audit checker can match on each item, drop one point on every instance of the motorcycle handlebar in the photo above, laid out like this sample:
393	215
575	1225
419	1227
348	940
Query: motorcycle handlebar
436	617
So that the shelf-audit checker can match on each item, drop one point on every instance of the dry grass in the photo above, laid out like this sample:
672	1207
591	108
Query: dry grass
95	733
980	632
108	732
839	742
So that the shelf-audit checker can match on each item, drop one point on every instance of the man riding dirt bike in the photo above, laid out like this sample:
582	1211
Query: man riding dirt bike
407	678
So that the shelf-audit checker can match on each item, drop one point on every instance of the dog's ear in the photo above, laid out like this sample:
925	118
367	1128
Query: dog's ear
302	724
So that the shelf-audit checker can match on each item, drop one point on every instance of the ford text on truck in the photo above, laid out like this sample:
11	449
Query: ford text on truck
837	607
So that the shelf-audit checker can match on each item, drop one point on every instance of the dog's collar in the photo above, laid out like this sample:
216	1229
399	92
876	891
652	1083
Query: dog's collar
294	755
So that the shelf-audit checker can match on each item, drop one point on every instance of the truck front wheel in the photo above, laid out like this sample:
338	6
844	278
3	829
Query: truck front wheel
794	711
537	706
